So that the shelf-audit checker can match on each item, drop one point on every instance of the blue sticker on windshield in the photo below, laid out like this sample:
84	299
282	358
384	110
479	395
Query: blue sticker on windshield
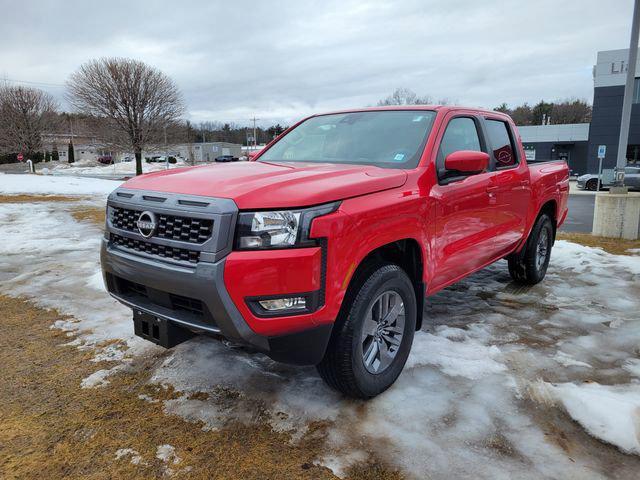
399	157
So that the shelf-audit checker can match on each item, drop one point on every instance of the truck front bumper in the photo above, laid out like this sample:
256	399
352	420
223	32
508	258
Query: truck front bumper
196	300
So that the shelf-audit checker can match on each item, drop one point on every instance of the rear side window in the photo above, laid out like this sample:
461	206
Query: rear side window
461	134
501	144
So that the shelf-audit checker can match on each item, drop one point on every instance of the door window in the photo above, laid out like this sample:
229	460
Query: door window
461	134
501	144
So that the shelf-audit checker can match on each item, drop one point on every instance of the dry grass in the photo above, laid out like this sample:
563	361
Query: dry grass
80	213
616	246
89	214
51	428
38	198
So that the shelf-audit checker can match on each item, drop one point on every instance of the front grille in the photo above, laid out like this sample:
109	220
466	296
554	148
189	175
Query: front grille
172	253
171	227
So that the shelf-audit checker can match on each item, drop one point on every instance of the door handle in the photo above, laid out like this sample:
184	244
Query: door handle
492	188
524	183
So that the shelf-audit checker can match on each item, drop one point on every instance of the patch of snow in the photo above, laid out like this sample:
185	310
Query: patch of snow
119	168
48	185
568	361
147	398
167	453
632	366
136	459
96	281
99	378
608	412
339	462
463	357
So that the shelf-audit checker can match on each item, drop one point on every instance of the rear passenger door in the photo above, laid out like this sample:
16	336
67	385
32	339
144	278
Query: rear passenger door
510	190
464	220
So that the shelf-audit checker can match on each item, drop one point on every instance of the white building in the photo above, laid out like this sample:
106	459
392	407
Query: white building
206	152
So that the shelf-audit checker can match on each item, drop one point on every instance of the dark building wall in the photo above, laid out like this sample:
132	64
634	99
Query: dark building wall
551	150
605	125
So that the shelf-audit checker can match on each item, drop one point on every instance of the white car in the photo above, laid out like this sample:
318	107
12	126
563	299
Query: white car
631	180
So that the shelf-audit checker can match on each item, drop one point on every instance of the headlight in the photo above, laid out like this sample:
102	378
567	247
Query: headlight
278	229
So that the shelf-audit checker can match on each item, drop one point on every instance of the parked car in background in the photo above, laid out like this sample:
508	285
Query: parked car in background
322	250
161	159
590	180
226	158
105	159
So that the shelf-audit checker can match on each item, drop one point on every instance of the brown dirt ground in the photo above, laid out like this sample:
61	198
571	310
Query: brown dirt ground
616	246
89	214
37	198
52	428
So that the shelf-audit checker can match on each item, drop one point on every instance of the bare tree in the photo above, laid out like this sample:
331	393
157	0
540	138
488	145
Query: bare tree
25	114
404	96
136	101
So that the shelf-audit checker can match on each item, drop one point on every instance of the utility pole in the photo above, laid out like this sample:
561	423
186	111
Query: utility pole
628	92
255	139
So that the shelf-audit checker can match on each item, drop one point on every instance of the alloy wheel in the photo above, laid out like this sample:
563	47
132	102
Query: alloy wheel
382	332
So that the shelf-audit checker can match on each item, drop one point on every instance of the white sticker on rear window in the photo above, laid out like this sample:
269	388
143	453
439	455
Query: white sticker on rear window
399	157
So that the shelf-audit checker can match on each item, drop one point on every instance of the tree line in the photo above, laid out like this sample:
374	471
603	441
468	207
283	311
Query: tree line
559	112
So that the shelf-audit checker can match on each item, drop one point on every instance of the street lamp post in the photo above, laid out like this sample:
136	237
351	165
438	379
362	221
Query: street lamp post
628	93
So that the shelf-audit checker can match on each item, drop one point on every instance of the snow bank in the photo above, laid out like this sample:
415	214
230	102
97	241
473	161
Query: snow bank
608	412
120	168
48	185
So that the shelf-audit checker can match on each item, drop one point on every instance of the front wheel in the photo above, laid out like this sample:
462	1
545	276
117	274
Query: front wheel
373	334
592	185
530	265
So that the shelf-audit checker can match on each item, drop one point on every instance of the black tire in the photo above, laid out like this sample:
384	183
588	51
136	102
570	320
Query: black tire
343	367
528	267
592	185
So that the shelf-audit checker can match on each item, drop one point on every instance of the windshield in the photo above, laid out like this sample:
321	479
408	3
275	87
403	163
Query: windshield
388	139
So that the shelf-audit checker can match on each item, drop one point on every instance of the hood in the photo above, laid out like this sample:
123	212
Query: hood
273	185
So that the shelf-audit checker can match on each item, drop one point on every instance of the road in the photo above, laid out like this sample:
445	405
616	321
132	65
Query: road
580	217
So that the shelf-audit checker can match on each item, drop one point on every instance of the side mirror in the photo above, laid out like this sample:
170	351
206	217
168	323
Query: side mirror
467	161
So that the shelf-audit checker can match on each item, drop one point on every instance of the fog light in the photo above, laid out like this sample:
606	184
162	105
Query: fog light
291	303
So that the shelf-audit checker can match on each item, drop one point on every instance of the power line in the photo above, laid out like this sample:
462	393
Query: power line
43	84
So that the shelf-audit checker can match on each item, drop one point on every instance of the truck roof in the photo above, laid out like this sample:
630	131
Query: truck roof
441	108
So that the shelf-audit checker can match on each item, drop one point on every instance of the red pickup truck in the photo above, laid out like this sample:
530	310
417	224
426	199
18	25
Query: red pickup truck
322	250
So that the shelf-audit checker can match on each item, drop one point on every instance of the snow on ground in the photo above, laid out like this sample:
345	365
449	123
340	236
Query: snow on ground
493	359
91	167
611	413
46	185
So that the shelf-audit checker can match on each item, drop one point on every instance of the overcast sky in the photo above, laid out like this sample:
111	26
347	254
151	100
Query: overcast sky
281	60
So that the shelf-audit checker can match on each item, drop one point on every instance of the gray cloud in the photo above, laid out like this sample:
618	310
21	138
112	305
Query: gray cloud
281	60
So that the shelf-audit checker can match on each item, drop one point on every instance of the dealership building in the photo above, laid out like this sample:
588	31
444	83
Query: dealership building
578	143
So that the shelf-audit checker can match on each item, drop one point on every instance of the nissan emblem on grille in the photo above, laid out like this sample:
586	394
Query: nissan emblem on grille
146	224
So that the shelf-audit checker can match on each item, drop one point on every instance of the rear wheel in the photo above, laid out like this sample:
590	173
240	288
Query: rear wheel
592	184
530	265
373	334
